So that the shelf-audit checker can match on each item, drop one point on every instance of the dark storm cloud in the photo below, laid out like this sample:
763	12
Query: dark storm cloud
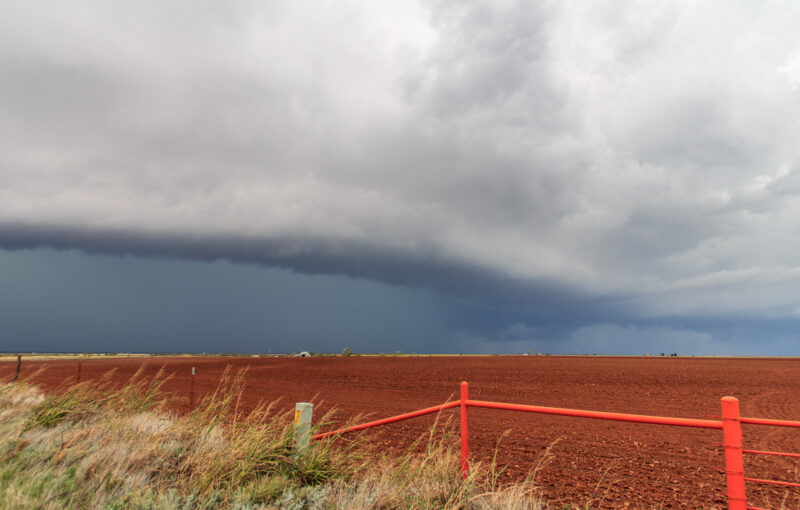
67	300
628	158
474	285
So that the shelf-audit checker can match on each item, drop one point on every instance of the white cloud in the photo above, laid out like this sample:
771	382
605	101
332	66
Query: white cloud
638	151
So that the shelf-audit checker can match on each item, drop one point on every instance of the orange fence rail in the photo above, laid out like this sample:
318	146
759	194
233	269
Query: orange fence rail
772	423
730	424
393	419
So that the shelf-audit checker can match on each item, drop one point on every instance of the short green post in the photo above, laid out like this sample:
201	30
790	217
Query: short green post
302	425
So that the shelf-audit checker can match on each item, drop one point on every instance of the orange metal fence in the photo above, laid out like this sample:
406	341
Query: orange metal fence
730	424
773	423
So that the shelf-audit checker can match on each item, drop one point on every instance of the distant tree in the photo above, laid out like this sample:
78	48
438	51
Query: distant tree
347	352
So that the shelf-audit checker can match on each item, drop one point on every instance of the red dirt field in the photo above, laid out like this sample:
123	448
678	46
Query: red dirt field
600	463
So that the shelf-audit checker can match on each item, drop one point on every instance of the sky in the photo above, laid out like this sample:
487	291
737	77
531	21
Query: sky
446	176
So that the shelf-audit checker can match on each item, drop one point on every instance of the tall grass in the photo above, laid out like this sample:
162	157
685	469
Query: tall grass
92	446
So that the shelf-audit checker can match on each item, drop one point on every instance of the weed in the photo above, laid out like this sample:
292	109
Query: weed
93	446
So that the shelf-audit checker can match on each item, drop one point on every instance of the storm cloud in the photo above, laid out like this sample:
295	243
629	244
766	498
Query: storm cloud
632	160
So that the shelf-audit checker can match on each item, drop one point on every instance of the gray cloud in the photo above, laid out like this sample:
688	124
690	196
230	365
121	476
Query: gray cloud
608	338
632	157
66	300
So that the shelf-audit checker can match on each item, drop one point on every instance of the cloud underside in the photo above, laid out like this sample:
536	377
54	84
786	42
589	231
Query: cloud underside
636	158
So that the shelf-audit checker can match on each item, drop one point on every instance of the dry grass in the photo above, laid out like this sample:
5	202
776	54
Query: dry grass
94	447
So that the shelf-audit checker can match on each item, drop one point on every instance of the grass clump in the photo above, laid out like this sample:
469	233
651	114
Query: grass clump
71	406
94	446
83	401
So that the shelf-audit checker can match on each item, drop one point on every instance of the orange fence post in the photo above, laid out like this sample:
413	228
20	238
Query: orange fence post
734	462
464	431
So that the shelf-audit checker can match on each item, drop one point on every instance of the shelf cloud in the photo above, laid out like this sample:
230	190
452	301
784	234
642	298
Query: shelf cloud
628	158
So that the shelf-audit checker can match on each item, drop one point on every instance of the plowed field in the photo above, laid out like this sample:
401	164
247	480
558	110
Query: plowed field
606	464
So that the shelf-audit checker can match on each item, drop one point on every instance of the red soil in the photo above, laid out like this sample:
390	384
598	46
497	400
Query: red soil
608	464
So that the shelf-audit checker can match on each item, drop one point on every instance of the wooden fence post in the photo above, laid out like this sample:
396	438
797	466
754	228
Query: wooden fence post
191	391
19	364
734	461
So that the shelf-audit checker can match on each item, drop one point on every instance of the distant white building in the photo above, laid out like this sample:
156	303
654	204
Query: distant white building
303	354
